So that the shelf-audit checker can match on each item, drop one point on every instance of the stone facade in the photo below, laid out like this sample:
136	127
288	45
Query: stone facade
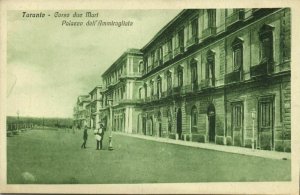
81	111
95	106
214	76
121	82
220	88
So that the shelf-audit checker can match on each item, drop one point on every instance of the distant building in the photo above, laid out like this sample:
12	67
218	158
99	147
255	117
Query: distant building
81	111
121	81
95	106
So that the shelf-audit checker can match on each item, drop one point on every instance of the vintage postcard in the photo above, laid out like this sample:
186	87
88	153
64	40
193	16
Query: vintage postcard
146	97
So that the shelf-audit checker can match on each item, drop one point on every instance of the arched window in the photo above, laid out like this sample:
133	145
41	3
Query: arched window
194	74
159	87
145	89
210	67
194	119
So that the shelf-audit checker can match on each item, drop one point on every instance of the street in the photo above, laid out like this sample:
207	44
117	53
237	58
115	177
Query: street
55	157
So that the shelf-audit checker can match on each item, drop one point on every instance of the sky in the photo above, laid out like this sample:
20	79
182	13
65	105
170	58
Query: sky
49	65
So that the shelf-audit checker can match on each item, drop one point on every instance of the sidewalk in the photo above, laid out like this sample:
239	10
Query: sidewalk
209	146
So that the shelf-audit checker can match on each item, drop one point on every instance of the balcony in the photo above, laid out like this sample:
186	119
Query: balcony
176	90
186	89
164	94
130	101
257	11
131	75
235	76
207	83
210	31
192	41
194	87
235	17
178	50
168	56
264	68
158	63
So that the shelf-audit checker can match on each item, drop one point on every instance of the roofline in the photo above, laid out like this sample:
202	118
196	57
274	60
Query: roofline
97	87
128	51
161	31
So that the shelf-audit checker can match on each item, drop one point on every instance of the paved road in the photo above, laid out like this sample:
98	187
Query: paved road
55	157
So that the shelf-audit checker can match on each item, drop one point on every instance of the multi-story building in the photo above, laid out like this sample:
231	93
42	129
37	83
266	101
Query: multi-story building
95	106
81	111
121	81
220	76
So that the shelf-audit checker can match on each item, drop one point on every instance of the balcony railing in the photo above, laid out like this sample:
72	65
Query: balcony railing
168	56
234	76
263	68
130	101
195	87
210	31
207	83
131	75
235	17
178	50
158	62
192	41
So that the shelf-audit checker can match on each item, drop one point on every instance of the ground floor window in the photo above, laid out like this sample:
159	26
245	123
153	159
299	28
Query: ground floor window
237	116
194	116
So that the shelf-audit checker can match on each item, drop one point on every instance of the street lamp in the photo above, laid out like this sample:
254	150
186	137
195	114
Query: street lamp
110	102
253	116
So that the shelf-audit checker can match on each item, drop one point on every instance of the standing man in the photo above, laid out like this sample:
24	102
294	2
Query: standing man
85	136
101	134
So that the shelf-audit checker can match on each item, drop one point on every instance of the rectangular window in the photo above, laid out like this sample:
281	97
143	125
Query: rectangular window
195	28
169	45
266	49
211	18
266	113
180	77
181	38
169	81
237	116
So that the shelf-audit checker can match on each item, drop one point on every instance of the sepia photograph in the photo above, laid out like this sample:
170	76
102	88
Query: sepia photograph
152	96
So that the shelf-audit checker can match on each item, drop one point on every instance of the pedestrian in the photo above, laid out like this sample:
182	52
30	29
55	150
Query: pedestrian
98	138
85	136
101	134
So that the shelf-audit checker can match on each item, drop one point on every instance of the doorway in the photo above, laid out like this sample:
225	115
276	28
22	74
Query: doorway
159	124
211	115
179	123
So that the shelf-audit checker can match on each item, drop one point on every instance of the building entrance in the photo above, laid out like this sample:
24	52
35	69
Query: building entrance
179	123
211	115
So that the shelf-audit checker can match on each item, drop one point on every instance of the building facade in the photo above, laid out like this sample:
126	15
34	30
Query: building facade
220	76
120	98
81	111
95	106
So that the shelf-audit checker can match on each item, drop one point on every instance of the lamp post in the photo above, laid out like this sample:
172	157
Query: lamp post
253	116
110	102
18	113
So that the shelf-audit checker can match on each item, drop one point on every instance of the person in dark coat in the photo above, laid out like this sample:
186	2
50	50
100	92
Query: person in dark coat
102	135
85	136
